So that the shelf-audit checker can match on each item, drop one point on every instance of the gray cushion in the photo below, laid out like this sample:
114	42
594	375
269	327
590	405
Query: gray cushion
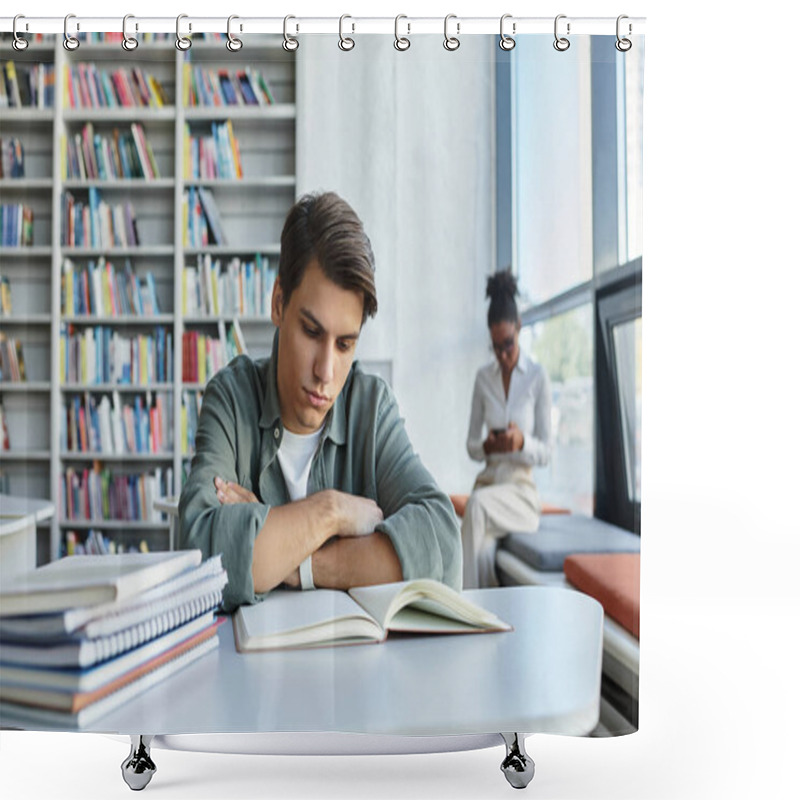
561	535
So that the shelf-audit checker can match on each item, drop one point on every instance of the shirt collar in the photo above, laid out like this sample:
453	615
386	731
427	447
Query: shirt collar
522	364
335	425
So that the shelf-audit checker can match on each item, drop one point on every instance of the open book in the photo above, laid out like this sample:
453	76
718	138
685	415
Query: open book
292	619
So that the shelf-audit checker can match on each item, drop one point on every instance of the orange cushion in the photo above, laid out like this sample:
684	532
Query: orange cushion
613	580
459	502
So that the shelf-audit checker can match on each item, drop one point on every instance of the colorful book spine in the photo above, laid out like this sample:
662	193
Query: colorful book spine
106	425
96	223
87	86
101	355
222	87
205	355
99	289
213	156
240	287
99	495
16	225
122	155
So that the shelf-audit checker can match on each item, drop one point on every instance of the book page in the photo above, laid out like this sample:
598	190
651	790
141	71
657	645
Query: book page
286	611
440	603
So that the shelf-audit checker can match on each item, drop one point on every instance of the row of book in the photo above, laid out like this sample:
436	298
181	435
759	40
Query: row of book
203	86
99	289
204	355
12	361
96	494
124	154
102	425
127	622
202	222
12	158
6	306
16	225
27	85
213	156
96	223
103	355
86	86
94	542
238	287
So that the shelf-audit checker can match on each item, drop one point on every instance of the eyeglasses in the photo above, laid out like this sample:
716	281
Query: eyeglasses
506	346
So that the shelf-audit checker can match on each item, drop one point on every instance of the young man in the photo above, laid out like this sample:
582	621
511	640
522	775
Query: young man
303	473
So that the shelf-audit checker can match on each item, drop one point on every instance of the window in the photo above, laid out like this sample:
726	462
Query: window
564	346
552	171
627	342
569	146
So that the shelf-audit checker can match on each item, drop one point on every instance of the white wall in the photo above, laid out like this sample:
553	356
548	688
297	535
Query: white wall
407	139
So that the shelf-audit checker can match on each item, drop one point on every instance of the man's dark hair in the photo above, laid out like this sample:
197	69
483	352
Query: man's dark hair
324	227
501	289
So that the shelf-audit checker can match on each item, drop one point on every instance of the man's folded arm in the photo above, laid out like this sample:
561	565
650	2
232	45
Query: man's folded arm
418	516
205	523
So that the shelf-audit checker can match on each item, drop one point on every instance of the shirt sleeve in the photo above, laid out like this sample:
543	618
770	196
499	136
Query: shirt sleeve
475	433
206	524
418	516
536	447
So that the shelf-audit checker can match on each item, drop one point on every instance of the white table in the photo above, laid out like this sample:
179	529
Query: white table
18	518
447	692
408	694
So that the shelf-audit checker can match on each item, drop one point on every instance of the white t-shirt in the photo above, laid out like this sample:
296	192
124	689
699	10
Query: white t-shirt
295	456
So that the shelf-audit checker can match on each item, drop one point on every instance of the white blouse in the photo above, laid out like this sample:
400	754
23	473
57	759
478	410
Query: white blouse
528	405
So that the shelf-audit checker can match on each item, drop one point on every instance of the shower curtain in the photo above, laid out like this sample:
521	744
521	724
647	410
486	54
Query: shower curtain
143	192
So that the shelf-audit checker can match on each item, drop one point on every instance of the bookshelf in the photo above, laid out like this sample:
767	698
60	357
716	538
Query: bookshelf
75	150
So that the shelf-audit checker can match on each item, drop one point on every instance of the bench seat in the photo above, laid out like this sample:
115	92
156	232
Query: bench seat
541	559
562	535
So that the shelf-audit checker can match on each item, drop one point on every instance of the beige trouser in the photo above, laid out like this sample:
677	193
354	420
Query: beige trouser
503	500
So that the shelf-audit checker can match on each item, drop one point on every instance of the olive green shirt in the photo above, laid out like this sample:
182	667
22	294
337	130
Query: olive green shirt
364	450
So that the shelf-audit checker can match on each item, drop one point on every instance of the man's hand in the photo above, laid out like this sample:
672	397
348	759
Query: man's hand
229	492
356	516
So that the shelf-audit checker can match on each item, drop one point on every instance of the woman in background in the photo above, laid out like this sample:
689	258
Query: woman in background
509	429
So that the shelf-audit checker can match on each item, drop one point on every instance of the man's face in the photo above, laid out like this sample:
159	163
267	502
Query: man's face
319	329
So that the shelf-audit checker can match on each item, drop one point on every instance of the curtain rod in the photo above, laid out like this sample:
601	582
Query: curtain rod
406	25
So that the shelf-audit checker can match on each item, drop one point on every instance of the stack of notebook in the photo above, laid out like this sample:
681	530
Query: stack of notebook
83	635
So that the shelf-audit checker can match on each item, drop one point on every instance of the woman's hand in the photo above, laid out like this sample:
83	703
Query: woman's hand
507	441
229	492
515	437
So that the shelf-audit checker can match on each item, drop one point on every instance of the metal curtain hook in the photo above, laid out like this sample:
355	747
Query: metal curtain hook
622	44
507	42
400	42
70	42
182	42
451	42
128	42
234	44
561	44
290	43
346	43
19	43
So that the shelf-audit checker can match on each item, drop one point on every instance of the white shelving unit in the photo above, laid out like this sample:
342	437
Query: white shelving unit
252	210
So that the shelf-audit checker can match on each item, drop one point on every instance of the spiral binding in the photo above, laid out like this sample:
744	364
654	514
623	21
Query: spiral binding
291	41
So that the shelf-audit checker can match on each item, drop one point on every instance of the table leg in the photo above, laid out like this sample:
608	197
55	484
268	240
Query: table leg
517	766
138	768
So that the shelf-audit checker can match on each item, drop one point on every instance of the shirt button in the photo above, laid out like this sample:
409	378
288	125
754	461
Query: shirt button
277	433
